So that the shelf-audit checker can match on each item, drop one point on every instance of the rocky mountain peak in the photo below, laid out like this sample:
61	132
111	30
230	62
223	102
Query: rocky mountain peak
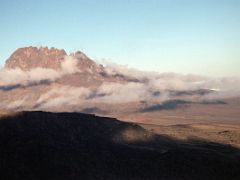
27	58
79	55
32	57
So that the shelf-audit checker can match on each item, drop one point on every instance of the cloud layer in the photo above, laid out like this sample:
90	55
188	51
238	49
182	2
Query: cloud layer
18	77
150	87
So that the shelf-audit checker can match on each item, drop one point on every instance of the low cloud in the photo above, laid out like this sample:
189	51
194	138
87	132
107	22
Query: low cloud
115	69
62	96
223	87
117	93
151	87
69	65
10	78
122	93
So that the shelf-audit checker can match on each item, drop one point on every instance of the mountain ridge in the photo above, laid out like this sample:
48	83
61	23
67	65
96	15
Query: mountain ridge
44	145
27	58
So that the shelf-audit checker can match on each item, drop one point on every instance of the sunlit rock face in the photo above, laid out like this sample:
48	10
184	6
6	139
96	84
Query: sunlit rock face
32	57
28	58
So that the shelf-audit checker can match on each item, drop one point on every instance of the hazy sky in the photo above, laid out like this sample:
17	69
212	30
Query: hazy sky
186	36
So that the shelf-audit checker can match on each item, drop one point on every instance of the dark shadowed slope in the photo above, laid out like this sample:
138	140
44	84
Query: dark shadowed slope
41	145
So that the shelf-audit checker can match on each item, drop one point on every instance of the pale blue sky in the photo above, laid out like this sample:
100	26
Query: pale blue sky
185	36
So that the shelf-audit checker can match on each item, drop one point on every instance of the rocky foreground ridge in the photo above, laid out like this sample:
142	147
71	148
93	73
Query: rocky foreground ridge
47	146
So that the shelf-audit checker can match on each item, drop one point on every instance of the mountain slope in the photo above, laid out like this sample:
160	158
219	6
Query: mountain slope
40	145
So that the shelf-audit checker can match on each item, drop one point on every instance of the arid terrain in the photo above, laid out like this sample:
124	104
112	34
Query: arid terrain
213	122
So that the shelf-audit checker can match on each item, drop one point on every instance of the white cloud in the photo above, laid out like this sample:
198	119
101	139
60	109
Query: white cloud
70	65
62	96
115	92
17	76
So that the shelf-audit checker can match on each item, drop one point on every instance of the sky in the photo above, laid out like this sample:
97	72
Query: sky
181	36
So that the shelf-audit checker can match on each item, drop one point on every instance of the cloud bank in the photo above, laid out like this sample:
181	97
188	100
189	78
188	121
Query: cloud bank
120	93
151	87
17	77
